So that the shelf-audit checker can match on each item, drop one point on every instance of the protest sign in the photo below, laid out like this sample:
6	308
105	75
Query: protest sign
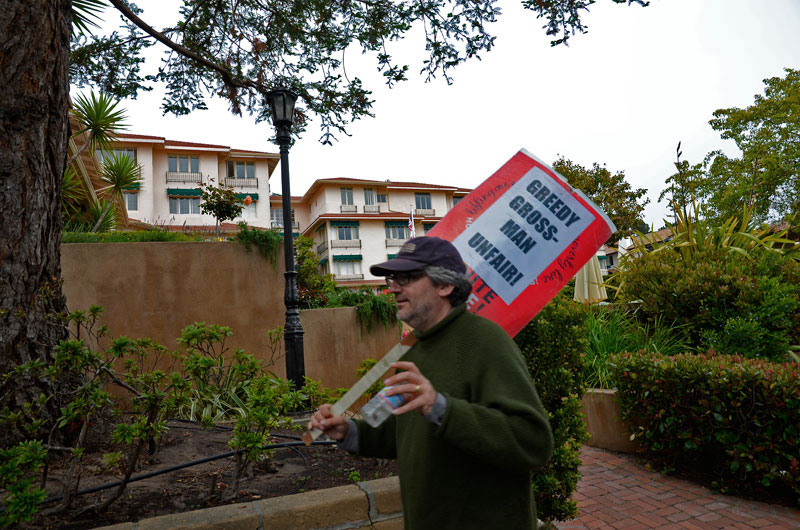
523	233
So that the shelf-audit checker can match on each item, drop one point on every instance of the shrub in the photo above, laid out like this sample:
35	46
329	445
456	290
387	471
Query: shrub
141	236
370	307
728	301
733	419
615	331
266	241
553	344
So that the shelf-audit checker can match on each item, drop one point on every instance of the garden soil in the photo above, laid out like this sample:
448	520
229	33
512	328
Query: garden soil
288	471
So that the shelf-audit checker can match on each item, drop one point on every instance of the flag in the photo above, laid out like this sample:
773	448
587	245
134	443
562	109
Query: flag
411	223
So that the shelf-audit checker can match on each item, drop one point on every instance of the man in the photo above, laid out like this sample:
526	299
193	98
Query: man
465	456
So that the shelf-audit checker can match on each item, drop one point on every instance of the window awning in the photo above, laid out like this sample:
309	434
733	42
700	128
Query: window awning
320	227
428	226
323	261
178	192
396	223
135	186
347	257
391	256
253	196
344	223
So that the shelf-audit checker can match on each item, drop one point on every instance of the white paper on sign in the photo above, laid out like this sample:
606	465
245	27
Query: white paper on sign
522	233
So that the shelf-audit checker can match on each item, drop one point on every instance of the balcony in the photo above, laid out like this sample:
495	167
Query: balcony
349	208
241	183
395	242
182	176
372	208
279	224
424	212
345	243
322	247
349	276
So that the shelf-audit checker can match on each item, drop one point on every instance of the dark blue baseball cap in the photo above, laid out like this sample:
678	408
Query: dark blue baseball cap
420	252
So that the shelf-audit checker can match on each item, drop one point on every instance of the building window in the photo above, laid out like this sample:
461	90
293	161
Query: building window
241	170
346	233
103	155
249	211
381	197
347	195
397	231
184	205
347	268
369	196
276	215
183	164
456	200
131	200
423	201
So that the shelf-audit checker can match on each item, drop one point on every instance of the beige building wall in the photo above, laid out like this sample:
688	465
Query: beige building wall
156	289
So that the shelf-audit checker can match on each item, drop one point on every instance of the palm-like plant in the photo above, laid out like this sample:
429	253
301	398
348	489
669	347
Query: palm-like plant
119	172
73	193
100	120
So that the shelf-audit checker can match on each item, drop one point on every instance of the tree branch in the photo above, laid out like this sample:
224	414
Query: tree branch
227	76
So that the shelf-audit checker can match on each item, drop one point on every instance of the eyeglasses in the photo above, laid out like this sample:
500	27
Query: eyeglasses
403	278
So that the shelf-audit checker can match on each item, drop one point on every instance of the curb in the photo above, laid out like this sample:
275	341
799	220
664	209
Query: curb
374	504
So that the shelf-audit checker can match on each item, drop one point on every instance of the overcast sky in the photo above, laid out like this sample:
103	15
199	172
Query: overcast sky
622	95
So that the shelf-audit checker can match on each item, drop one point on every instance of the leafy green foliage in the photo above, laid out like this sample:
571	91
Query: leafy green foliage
727	301
611	192
127	237
313	288
616	331
242	50
553	344
370	307
731	419
221	202
21	496
266	241
364	367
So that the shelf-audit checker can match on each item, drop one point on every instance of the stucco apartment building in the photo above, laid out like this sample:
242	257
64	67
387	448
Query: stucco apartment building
353	222
169	194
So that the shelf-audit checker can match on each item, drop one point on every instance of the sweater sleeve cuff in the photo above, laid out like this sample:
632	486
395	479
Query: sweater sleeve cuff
437	412
350	442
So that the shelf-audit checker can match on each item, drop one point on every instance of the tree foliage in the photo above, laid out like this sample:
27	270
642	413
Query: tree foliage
611	192
765	178
221	202
241	50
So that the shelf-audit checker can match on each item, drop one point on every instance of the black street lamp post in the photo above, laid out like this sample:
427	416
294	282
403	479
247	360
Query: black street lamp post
281	104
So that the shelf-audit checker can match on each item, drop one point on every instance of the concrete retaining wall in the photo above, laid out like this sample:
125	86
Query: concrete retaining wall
600	412
156	289
369	505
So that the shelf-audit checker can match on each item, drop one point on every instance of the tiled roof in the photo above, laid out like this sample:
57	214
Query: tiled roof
123	137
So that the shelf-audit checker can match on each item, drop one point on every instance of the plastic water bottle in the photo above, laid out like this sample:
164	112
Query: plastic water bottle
380	407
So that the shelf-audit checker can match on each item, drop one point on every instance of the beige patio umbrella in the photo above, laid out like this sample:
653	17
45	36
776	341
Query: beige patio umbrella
589	283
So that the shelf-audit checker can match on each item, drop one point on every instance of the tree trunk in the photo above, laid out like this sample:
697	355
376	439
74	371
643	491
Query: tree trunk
34	92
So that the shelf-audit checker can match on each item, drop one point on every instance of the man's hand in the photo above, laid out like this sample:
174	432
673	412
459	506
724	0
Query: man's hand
336	427
417	391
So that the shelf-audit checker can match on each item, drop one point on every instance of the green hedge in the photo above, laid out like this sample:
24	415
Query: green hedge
553	345
128	237
734	420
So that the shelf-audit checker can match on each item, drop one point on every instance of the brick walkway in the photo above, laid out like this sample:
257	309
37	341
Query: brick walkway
615	492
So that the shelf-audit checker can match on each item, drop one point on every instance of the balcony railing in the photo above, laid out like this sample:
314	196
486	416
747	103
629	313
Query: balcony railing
279	224
345	243
395	242
350	277
424	212
241	183
322	247
372	208
181	176
349	208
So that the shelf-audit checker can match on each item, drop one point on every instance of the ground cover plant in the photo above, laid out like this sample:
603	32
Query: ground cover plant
553	345
139	236
732	419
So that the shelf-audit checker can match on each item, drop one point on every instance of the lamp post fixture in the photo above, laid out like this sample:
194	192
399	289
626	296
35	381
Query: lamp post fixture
281	104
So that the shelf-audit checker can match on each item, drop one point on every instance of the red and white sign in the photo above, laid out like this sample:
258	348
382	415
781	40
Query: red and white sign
523	233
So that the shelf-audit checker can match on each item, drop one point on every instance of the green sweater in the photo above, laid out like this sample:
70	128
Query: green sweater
474	470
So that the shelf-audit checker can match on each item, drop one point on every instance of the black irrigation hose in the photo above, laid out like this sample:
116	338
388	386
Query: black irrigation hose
137	478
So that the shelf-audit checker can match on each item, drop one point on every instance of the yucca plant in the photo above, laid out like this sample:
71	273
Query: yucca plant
100	120
119	172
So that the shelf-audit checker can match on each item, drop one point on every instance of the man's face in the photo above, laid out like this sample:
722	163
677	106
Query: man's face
420	303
